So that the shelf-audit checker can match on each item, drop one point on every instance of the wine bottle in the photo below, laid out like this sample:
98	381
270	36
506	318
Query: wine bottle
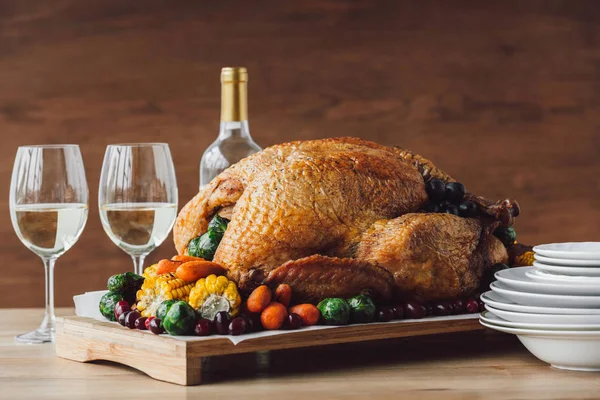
234	141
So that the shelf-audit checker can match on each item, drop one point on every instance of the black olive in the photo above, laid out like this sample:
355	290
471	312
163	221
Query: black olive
436	190
455	192
467	209
451	209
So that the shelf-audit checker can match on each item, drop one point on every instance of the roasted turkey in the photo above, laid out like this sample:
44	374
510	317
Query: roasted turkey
337	216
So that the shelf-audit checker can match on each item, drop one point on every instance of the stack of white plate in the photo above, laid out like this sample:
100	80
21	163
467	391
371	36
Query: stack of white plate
553	307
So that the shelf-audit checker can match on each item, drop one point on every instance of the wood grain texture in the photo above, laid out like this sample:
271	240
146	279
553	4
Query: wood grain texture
176	361
460	366
503	95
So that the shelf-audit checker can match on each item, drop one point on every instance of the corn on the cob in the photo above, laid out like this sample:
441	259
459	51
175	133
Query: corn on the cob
150	272
213	294
525	259
157	289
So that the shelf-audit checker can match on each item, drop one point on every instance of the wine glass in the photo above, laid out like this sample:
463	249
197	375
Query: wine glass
48	210
138	197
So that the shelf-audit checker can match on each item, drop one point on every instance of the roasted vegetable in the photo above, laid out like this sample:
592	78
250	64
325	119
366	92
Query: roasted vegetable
507	236
191	271
217	228
273	316
180	320
309	314
525	259
163	308
334	311
213	294
362	309
205	246
123	283
157	289
108	303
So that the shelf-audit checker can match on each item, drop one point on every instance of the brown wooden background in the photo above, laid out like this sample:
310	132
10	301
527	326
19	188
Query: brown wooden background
503	95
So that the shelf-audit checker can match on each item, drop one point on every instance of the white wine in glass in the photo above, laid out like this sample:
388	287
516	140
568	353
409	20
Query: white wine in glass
48	208
138	197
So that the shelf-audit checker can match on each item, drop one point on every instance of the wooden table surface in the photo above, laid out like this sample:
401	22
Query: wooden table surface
473	365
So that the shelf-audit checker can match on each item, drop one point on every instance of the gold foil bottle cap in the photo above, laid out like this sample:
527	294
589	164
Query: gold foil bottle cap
234	74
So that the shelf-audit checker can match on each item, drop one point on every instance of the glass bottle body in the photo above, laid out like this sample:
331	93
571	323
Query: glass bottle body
233	144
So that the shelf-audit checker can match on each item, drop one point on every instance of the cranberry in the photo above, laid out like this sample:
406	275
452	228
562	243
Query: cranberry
459	306
472	306
222	321
147	323
204	327
130	319
122	317
140	323
398	311
414	310
155	326
428	309
442	308
384	314
237	326
121	307
292	322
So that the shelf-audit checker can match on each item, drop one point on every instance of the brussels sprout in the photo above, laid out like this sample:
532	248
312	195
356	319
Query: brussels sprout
205	246
362	309
163	309
108	303
180	319
127	282
334	311
506	235
217	227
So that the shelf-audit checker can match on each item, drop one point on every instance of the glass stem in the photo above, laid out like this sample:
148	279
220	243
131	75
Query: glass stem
138	263
49	318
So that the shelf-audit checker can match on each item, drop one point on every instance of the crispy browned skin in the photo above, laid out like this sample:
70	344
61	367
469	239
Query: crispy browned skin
295	200
317	277
432	256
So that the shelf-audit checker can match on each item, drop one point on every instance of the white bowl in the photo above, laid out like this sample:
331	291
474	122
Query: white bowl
570	250
498	301
545	300
541	276
530	318
573	350
491	318
517	279
567	261
567	270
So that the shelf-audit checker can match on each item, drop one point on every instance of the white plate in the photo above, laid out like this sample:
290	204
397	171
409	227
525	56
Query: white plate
492	318
547	277
574	350
572	271
571	250
567	261
497	301
557	319
545	300
515	278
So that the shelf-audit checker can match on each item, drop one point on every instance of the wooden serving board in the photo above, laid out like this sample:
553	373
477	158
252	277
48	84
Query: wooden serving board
179	361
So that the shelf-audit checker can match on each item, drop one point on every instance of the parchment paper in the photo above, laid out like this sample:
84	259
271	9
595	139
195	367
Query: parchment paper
86	305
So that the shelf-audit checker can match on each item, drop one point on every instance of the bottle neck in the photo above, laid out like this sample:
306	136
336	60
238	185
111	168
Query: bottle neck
234	101
234	129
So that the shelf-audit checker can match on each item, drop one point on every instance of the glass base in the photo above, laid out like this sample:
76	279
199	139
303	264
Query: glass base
38	336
